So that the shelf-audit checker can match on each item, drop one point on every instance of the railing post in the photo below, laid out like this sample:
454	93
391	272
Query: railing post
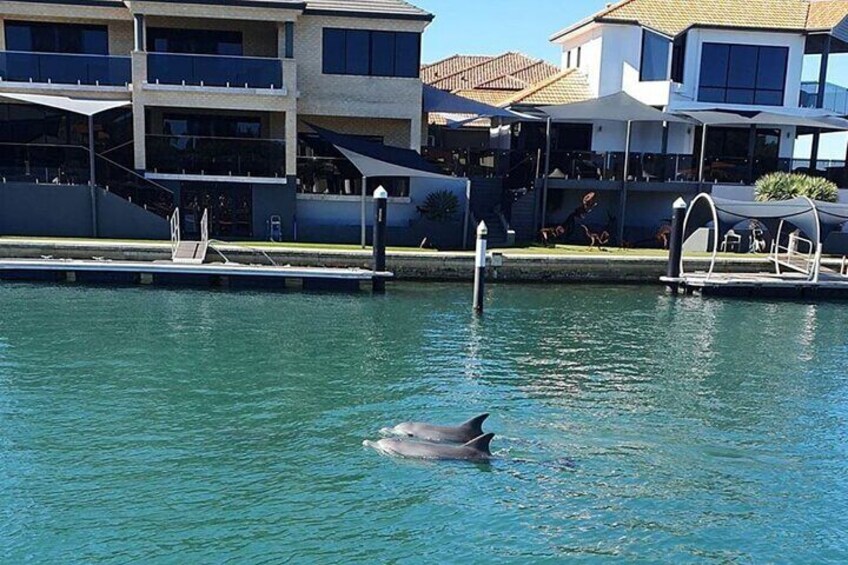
91	176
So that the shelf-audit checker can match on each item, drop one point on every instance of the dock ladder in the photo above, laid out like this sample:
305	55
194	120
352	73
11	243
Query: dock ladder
189	252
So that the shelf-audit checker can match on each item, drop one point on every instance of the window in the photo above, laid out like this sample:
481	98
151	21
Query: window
568	60
678	59
579	53
57	38
655	57
374	53
196	41
743	74
211	125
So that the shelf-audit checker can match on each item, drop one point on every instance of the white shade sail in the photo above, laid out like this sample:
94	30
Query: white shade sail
84	106
619	107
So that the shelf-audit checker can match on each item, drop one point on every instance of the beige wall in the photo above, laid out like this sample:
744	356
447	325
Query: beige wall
355	96
260	38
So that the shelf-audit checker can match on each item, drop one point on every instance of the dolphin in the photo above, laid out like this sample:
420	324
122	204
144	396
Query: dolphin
475	450
462	433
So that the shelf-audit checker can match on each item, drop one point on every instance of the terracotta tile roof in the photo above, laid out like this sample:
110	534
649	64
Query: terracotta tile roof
452	65
566	87
827	14
673	17
396	8
490	97
486	72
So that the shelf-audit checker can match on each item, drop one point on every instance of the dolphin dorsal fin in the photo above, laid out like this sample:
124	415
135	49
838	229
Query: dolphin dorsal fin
475	425
481	443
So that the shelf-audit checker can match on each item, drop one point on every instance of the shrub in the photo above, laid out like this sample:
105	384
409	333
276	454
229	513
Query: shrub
786	186
441	206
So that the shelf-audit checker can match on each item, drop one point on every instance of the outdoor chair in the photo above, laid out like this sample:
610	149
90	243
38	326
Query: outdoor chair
732	241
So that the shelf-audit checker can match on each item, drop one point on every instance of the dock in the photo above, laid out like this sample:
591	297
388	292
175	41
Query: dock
762	285
168	273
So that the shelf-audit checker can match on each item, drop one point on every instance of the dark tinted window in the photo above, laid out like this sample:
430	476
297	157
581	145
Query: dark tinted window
743	74
57	38
211	126
383	53
375	53
655	53
357	50
334	51
678	59
197	41
407	54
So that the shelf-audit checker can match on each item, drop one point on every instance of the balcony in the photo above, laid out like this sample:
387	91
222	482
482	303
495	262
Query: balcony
835	97
216	156
64	68
214	71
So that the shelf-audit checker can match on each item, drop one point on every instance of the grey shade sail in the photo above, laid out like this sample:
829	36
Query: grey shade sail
819	120
378	160
84	106
439	101
619	107
814	218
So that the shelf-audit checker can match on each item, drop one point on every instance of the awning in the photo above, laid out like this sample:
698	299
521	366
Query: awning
440	102
815	119
84	106
619	107
378	160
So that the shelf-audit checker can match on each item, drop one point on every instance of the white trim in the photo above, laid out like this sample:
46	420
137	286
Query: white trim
283	91
215	178
53	87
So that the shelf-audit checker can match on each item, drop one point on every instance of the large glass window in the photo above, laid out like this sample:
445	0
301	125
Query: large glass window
655	57
374	53
195	41
211	126
743	74
57	38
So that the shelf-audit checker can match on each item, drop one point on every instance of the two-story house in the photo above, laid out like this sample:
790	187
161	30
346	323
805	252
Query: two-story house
205	105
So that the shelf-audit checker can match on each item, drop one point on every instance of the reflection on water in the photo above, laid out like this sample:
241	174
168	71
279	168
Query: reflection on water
200	426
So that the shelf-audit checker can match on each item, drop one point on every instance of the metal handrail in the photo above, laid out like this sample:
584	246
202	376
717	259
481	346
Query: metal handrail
791	250
230	138
215	56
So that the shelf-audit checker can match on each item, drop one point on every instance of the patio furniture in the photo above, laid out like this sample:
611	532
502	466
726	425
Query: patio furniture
732	240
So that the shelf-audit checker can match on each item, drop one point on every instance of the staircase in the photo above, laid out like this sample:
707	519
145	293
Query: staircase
189	252
486	198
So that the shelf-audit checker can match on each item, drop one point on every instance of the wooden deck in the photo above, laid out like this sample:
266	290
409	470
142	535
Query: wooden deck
831	285
168	273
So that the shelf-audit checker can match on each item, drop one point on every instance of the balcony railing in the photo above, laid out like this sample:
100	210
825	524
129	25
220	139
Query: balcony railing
835	97
227	156
65	68
609	166
214	70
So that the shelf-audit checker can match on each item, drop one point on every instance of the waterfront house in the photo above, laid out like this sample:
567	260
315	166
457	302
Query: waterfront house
204	105
717	62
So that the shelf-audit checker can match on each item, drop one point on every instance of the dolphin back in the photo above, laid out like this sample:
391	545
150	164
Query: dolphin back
474	426
481	444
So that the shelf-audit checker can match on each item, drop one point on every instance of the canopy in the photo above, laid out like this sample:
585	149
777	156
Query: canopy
619	107
800	118
378	160
815	219
84	106
441	102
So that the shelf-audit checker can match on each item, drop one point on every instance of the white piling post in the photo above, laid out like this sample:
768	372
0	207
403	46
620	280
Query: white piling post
480	267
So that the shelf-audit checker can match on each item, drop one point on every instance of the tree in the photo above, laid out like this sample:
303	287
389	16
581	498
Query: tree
786	186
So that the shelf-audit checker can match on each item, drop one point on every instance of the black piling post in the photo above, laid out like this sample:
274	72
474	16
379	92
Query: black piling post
675	245
381	199
480	267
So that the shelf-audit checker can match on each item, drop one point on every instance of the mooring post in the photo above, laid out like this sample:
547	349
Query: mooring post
381	199
480	266
675	243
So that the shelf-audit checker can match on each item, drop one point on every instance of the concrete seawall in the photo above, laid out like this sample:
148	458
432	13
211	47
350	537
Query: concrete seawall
407	265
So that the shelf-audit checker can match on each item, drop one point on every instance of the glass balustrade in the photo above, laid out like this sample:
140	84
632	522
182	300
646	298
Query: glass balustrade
214	70
65	68
196	155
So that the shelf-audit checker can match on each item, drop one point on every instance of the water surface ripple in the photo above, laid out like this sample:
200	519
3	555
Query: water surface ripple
143	425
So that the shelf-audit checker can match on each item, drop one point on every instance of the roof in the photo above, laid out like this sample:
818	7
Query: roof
673	17
566	87
369	8
509	71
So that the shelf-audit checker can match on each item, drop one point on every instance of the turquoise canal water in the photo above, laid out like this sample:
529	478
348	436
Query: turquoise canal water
141	425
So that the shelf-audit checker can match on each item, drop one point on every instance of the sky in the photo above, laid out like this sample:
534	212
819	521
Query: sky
492	27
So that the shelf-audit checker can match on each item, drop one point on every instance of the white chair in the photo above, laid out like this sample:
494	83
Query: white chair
732	240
